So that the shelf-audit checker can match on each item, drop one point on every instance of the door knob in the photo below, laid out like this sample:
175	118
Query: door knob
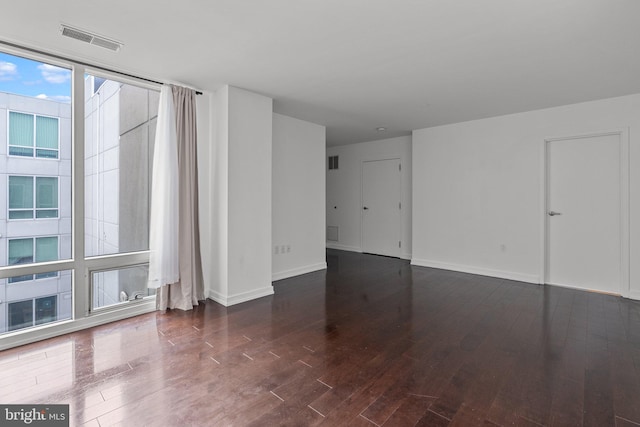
365	208
552	213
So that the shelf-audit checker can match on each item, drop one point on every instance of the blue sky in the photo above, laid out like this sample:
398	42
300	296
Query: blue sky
26	77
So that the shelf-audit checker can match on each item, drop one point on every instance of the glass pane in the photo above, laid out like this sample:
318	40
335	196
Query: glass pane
20	151
46	310
20	129
16	279
21	214
20	192
37	302
20	315
46	249
38	189
46	192
46	132
47	154
120	121
37	130
20	251
49	213
119	286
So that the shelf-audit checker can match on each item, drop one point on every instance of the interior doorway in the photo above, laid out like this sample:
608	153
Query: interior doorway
586	215
381	207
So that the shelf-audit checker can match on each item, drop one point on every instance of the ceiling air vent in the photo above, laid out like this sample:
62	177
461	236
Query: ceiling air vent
90	38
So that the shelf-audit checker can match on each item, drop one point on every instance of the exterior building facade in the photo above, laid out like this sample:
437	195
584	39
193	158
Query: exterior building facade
120	122
35	208
36	198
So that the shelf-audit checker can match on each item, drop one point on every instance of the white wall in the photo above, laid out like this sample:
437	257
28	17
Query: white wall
477	187
344	189
236	192
219	200
206	186
298	195
250	145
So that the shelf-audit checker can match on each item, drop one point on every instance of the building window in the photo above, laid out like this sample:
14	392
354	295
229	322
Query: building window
30	250
24	314
33	197
31	135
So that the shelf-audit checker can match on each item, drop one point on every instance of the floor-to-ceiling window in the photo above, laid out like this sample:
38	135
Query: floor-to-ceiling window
120	123
75	160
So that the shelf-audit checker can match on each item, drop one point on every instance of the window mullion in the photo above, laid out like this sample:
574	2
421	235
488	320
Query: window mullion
35	192
81	304
35	131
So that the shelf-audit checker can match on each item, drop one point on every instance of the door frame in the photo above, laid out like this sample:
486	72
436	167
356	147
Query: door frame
623	135
401	225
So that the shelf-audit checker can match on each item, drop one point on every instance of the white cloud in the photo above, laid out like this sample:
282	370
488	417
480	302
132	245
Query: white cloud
58	98
8	71
53	74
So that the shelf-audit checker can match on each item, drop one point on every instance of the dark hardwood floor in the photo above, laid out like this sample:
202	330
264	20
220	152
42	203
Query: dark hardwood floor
371	341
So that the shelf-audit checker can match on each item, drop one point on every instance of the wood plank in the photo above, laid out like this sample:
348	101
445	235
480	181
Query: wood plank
371	341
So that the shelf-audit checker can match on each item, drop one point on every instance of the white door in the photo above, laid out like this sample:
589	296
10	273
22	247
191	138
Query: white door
584	222
381	196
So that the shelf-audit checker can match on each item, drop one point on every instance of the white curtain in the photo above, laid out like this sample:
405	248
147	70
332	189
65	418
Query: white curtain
175	265
164	266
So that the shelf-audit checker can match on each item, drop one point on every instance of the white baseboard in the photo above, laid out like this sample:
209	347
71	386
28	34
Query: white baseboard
581	288
228	300
343	247
298	271
510	275
406	256
634	294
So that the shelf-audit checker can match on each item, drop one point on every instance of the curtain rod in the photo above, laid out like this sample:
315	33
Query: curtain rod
62	58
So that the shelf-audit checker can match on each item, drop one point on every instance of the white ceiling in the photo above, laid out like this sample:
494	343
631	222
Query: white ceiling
354	65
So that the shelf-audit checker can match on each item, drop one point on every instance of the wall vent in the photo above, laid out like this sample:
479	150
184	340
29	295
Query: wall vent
87	37
333	162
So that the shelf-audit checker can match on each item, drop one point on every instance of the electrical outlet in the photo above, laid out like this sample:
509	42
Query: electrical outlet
276	250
